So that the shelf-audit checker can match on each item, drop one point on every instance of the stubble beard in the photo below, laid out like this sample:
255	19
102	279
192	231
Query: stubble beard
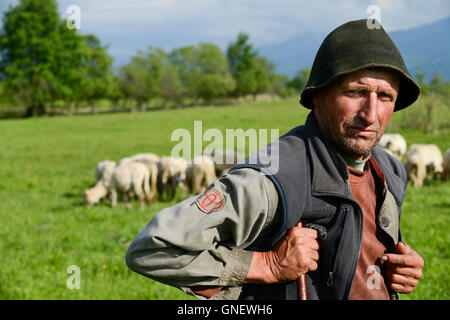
350	144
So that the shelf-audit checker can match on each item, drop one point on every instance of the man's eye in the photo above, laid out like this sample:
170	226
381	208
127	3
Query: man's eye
353	91
385	96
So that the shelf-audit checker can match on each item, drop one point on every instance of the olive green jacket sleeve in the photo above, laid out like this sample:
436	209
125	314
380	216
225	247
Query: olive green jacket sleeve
198	243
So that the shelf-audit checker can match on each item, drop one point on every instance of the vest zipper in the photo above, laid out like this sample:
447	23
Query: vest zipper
355	261
336	244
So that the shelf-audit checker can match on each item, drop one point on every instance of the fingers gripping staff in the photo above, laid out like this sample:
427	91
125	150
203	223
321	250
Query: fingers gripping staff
301	281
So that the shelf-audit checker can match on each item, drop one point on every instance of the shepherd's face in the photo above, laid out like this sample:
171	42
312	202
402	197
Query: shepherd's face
353	111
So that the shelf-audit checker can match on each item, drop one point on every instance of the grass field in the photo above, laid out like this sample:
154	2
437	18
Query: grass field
47	163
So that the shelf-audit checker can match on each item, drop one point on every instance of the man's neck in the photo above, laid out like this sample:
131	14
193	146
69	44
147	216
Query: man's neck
356	164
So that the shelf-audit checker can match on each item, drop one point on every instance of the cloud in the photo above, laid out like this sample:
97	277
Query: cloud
390	6
136	24
161	3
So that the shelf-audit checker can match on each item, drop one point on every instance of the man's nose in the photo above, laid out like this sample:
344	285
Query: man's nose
369	109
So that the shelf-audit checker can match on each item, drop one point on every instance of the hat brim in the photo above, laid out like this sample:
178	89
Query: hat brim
409	89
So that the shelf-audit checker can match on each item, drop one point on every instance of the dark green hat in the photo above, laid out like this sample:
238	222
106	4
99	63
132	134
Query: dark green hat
353	46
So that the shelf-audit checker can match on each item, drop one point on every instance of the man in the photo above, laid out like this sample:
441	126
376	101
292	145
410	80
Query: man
240	239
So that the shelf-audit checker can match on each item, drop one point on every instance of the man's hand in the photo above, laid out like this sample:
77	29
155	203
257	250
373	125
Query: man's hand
403	268
295	254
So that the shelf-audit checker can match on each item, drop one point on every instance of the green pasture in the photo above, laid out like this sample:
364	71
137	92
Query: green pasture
47	163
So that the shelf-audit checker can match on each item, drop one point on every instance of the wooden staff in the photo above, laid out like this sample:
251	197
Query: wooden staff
301	281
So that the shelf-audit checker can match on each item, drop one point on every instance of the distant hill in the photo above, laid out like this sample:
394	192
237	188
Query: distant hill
427	46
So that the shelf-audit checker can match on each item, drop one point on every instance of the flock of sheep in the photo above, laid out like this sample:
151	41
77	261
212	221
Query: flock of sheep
422	161
147	175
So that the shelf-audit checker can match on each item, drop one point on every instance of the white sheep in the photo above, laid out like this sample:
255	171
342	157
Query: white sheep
395	143
140	157
223	160
171	174
423	160
151	161
432	155
103	173
103	170
130	177
416	169
93	195
200	174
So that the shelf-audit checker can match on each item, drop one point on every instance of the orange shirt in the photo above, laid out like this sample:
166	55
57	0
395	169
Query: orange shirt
367	188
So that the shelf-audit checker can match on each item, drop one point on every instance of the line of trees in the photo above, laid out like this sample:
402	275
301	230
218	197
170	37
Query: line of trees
44	64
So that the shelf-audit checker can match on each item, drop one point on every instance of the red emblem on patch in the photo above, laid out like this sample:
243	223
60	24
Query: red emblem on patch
210	201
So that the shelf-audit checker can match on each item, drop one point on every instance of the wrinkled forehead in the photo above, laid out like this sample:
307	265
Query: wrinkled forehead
386	76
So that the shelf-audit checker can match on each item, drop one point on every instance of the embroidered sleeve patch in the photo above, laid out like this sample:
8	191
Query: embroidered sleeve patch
210	201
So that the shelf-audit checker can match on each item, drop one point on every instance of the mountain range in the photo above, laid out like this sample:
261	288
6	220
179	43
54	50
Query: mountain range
426	47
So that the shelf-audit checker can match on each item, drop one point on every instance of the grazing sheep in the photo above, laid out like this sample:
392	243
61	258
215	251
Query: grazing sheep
432	155
93	195
103	173
171	174
422	160
132	176
395	143
200	174
223	160
150	160
140	157
446	174
416	169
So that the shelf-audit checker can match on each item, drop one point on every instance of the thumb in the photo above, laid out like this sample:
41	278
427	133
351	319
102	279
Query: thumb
402	248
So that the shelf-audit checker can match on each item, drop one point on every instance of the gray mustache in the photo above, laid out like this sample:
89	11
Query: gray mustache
357	122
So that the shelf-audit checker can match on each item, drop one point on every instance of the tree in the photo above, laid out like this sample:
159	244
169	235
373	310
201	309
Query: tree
141	78
253	73
215	81
434	91
170	87
28	51
279	85
115	93
100	77
242	61
184	60
71	67
263	70
203	71
440	86
42	60
240	54
133	80
299	82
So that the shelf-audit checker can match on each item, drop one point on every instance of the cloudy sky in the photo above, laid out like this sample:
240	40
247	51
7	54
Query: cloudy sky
129	25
